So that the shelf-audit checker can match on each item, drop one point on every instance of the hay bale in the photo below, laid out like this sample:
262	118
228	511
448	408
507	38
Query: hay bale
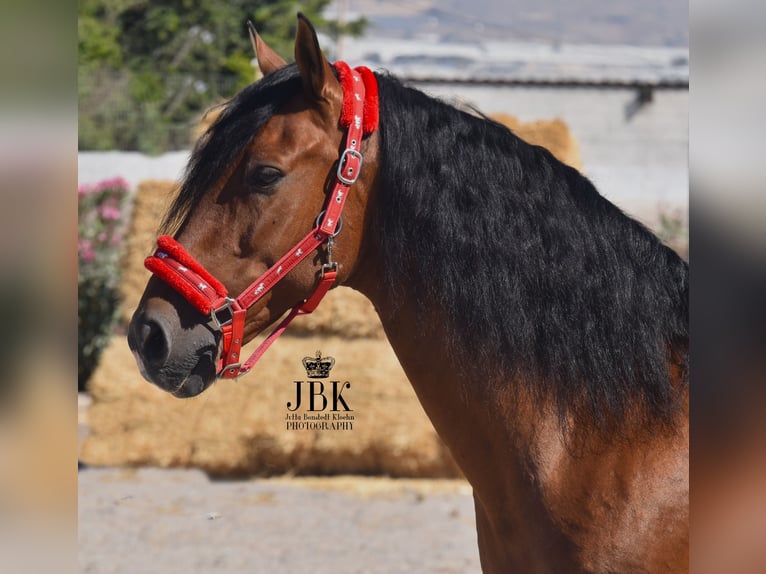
551	134
151	199
239	428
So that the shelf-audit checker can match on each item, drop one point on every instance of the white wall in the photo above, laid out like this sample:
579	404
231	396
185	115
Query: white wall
93	166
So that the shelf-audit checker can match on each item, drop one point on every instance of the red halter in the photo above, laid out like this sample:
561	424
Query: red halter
174	265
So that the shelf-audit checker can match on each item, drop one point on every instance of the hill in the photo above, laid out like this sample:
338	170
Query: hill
626	22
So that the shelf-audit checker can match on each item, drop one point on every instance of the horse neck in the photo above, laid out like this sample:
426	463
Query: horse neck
533	492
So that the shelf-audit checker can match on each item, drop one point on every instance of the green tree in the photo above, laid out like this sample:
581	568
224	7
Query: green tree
148	69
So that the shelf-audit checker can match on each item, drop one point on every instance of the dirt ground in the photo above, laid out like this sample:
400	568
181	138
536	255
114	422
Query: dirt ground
163	521
167	521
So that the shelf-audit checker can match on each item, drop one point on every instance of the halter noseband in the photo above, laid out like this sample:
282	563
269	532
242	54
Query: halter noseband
174	265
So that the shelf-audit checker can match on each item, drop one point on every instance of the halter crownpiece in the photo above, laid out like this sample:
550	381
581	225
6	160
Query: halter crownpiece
370	111
181	271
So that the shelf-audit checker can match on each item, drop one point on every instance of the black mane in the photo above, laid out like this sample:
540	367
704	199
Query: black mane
539	276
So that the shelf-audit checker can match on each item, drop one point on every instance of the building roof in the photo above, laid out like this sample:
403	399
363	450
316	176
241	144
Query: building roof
430	60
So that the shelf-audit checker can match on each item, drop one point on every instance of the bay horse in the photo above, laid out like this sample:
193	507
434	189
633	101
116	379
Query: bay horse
544	331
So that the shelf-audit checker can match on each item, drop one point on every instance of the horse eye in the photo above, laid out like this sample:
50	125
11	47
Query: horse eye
263	178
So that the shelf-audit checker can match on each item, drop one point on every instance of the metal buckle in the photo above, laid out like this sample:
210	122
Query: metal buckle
226	307
332	266
342	162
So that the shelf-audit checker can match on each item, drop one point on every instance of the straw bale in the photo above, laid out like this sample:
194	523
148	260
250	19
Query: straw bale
551	134
239	428
150	200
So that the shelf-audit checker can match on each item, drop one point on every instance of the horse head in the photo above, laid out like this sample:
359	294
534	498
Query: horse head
258	181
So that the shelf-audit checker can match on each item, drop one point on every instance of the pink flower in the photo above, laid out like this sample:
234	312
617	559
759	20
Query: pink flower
85	250
113	183
109	212
103	185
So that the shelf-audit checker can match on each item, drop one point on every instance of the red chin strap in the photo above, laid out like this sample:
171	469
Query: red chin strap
176	266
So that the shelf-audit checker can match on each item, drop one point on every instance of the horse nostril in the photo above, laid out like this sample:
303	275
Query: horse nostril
153	344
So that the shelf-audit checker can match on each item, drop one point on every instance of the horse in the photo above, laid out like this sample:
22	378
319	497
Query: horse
544	331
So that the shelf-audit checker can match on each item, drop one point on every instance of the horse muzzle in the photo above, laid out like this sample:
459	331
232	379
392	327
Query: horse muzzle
179	356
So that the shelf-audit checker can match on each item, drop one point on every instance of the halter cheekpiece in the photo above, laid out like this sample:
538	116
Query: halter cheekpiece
176	266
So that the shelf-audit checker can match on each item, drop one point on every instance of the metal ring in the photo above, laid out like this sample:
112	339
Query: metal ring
319	221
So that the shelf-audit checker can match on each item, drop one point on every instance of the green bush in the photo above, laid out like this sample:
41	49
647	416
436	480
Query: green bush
101	222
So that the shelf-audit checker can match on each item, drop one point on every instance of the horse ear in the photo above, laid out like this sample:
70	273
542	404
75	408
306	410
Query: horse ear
268	60
319	82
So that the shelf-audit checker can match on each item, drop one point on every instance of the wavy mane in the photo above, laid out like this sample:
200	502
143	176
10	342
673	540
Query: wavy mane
539	276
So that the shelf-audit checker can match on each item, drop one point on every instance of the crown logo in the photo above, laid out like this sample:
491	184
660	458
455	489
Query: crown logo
318	367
